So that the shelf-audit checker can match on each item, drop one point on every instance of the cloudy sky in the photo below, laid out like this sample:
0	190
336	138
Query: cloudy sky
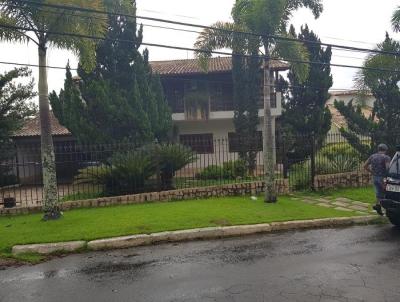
358	23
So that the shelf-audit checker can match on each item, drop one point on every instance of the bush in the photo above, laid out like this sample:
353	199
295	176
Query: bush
211	173
171	158
124	173
228	170
134	171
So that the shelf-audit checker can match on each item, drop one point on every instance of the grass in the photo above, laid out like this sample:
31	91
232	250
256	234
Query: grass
90	224
365	194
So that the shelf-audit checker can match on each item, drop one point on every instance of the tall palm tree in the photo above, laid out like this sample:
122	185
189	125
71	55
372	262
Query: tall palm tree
267	18
35	22
396	20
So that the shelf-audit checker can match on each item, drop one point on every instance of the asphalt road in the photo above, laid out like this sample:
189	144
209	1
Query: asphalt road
353	264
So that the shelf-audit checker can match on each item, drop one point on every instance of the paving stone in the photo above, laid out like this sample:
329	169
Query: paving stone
310	201
325	205
340	204
359	203
358	208
343	209
342	199
324	200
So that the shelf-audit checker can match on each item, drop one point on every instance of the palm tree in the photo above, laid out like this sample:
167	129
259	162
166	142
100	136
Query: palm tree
396	20
22	21
267	19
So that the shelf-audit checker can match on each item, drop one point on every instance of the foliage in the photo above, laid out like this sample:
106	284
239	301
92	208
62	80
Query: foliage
120	99
383	125
396	20
130	171
331	159
125	173
262	18
170	158
15	107
229	170
305	113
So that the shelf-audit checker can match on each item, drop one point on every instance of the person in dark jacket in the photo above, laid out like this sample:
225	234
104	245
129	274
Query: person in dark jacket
378	165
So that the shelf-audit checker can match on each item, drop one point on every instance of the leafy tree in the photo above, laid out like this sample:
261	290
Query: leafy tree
396	20
14	110
120	99
265	18
383	125
306	115
34	22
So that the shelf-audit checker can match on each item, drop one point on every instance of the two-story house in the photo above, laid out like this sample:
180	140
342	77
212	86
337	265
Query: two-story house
202	102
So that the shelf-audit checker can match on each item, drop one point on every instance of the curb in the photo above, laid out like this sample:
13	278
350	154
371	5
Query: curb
192	234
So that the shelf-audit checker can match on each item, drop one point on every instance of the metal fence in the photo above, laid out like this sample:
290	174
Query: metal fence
90	171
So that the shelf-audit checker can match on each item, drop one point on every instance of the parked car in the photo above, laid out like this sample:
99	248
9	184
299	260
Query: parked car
391	203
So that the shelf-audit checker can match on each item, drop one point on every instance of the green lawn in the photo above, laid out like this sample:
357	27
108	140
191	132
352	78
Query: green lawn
89	224
366	194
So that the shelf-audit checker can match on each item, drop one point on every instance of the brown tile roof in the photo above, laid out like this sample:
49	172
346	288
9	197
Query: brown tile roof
191	66
339	121
31	128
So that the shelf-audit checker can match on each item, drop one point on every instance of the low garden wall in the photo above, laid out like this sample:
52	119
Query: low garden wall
352	180
253	188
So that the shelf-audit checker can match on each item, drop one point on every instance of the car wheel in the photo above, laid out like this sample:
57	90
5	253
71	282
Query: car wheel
394	219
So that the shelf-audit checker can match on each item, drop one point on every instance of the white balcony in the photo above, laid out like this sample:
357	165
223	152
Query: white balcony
226	115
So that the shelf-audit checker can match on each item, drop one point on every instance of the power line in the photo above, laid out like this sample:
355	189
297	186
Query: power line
157	26
75	8
35	65
195	50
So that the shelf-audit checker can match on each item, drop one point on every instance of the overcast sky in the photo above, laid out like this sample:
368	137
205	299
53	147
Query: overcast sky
350	22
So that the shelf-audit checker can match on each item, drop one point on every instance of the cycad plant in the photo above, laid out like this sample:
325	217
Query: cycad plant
265	19
396	20
37	22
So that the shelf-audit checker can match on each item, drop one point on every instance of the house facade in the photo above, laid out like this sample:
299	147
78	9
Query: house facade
338	121
202	104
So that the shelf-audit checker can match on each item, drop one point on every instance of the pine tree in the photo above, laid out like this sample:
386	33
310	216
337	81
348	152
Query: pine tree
121	99
382	126
305	112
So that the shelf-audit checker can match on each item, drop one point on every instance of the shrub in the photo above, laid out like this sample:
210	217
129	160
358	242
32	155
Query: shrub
211	173
169	159
124	173
228	170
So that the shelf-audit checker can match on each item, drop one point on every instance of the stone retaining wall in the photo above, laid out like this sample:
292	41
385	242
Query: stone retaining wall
253	188
352	180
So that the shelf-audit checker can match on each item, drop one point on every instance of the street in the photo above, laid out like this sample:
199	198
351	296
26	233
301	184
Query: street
352	264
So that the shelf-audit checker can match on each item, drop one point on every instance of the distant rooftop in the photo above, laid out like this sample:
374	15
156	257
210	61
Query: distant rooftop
191	66
31	128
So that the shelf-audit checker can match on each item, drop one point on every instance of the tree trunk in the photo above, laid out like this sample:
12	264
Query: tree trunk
268	144
50	199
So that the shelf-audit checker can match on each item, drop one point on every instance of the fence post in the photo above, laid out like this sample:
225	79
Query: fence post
285	158
312	162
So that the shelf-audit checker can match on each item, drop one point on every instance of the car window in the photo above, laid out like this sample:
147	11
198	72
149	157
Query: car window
394	168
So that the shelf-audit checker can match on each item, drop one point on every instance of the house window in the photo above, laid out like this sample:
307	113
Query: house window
245	144
222	97
200	143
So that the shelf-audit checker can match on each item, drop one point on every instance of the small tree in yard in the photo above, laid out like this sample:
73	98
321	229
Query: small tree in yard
34	22
264	18
14	110
306	115
120	99
384	124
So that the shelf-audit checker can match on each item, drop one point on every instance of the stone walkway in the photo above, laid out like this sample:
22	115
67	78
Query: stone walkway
340	204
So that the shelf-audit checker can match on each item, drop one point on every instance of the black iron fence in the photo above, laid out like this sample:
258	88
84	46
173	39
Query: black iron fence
90	171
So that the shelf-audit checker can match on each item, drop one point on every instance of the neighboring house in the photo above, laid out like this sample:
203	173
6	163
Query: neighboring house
28	158
338	121
202	102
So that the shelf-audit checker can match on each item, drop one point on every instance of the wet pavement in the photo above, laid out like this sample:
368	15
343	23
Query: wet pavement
353	264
